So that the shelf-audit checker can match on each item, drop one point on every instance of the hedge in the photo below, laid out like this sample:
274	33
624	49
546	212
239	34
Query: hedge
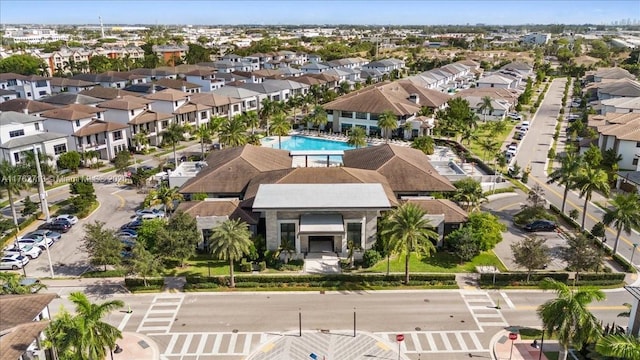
520	278
139	282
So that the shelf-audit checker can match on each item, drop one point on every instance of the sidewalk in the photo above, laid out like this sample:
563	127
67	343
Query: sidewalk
521	349
135	346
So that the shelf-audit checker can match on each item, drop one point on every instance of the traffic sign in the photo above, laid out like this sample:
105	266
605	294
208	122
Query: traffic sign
513	336
399	337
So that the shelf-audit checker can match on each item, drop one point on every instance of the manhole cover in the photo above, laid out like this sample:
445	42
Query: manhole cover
234	331
418	328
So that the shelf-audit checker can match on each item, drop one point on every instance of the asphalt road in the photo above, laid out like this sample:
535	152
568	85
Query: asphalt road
539	139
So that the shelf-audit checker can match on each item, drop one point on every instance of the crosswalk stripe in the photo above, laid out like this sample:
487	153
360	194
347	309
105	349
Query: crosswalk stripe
247	343
232	343
216	344
445	340
187	342
463	345
202	343
476	341
416	342
432	344
172	343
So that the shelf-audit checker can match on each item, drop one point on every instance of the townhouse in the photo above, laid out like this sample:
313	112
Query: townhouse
205	78
249	99
69	99
136	112
180	85
24	321
385	66
497	81
168	54
221	106
178	103
73	86
26	87
620	132
25	106
79	57
6	95
277	90
620	105
105	80
20	132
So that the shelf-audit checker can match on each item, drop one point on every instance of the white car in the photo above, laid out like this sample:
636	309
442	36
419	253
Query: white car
42	243
515	116
150	213
13	262
29	251
525	124
70	218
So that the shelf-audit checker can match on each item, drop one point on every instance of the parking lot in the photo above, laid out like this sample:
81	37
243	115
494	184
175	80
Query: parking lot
117	207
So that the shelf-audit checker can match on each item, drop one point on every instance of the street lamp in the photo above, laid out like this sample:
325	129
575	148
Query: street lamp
633	253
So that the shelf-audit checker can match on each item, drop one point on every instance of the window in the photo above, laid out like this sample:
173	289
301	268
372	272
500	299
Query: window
41	83
361	115
118	85
37	125
347	114
16	133
98	115
354	233
12	82
634	162
77	122
176	103
638	144
288	235
28	94
60	149
117	135
203	115
16	157
165	124
132	113
236	108
42	93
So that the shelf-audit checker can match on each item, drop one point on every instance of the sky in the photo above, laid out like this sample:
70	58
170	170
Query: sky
301	12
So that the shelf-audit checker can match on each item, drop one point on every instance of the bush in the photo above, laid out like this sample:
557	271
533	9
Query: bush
370	258
105	274
551	154
626	266
262	265
520	278
245	266
530	214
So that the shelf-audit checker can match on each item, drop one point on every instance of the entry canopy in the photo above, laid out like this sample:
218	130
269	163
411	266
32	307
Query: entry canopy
321	224
321	196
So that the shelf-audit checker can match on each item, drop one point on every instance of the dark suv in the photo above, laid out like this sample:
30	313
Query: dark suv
541	225
59	225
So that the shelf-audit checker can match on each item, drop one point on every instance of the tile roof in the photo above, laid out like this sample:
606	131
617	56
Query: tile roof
623	87
20	105
495	79
20	309
230	170
218	207
99	126
376	100
126	103
407	170
57	81
236	92
177	84
191	107
452	212
623	126
67	99
17	340
71	112
611	73
212	99
318	175
168	95
107	93
149	116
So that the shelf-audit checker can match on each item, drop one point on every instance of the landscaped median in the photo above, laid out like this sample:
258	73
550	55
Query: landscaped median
303	282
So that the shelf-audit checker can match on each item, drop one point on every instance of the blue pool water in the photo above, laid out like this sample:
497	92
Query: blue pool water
309	143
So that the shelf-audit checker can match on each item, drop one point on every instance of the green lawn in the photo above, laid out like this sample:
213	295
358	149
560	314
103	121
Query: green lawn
483	132
441	262
202	265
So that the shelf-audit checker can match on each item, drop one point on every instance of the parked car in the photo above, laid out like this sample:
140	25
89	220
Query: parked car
13	262
135	224
129	232
55	236
515	116
150	213
72	219
41	243
58	225
29	251
541	225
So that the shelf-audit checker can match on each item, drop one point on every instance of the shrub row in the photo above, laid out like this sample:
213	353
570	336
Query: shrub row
520	278
139	282
104	274
320	284
339	278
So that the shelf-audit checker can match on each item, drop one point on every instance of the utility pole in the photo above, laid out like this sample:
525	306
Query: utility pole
43	203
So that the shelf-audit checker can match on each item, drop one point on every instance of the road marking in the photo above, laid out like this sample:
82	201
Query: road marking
172	343
379	344
247	343
445	340
461	341
507	300
416	342
203	341
187	343
475	340
124	321
519	204
216	344
432	343
232	343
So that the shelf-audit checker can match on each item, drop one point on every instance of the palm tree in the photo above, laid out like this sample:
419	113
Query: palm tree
172	136
565	175
489	146
387	122
588	180
485	106
294	103
230	240
424	144
233	132
625	347
44	69
267	109
164	195
625	215
12	183
84	335
203	132
251	120
11	284
344	88
319	117
469	192
280	126
315	92
409	232
567	315
357	137
140	139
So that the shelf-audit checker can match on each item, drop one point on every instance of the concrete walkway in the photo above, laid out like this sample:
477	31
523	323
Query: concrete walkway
322	264
519	349
135	346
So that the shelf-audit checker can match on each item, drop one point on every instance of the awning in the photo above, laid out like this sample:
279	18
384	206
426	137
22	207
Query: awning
324	224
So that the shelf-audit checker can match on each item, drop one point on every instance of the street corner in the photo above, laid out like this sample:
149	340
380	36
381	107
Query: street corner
134	346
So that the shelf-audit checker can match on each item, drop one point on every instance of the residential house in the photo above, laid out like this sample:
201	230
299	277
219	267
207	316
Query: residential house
620	132
519	68
362	108
168	54
167	101
314	68
205	78
154	74
250	100
499	107
385	66
104	93
25	106
536	38
444	215
6	95
617	89
20	132
72	86
604	74
221	106
180	85
27	87
497	81
64	99
144	89
277	90
615	105
22	330
104	80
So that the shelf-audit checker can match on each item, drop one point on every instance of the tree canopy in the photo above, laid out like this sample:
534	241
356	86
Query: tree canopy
22	64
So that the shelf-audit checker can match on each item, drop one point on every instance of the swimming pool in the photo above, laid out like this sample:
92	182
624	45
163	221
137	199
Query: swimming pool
311	143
